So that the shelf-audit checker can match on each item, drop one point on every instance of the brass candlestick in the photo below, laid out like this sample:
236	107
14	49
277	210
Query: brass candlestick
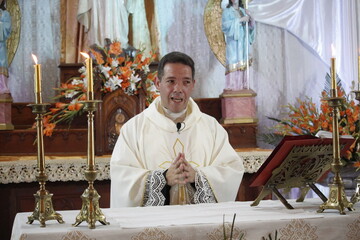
90	210
356	197
337	198
44	210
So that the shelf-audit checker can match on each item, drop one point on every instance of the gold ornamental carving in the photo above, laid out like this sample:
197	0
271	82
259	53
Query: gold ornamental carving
212	27
13	41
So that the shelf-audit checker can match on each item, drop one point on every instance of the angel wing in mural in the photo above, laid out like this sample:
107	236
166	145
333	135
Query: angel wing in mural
212	26
13	41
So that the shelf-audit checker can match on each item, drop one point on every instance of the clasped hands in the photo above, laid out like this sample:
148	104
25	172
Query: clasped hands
180	171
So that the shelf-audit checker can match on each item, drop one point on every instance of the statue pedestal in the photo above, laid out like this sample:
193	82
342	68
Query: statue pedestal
238	106
5	112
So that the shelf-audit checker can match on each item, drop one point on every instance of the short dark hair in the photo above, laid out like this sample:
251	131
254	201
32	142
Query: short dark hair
3	5
240	4
175	57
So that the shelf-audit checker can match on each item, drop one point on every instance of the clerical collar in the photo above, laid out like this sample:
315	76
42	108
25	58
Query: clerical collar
176	117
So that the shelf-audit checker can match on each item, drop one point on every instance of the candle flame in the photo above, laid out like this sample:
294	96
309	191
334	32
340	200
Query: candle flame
85	54
333	50
35	58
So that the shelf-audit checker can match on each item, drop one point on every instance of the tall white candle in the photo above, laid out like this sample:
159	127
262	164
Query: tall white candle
89	75
37	80
333	70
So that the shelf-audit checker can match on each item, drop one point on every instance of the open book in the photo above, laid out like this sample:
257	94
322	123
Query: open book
297	161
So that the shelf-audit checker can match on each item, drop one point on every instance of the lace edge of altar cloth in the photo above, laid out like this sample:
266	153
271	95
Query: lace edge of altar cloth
24	169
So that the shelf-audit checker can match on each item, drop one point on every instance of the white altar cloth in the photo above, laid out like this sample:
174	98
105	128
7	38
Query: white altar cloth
202	221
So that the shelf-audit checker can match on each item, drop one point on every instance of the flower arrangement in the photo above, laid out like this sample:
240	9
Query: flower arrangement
305	118
115	69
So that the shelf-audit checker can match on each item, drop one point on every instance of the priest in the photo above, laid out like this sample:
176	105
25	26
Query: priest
173	145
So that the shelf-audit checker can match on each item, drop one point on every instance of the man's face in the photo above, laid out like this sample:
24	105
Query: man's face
175	86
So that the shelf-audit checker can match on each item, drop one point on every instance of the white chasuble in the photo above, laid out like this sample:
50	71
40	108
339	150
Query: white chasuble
146	146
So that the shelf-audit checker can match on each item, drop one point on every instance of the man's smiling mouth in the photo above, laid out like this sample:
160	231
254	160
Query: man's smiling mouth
177	99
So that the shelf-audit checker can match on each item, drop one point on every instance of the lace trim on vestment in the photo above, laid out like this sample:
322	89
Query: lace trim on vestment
155	182
203	193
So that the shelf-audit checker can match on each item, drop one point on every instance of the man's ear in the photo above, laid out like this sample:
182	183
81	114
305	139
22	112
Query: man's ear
157	83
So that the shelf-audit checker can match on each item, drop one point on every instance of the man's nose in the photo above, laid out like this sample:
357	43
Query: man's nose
178	87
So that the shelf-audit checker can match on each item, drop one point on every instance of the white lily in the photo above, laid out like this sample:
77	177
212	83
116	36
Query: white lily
133	80
105	71
146	68
115	63
77	81
70	94
113	83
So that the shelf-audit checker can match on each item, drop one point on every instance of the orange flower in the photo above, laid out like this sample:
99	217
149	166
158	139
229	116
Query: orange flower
78	106
296	130
63	85
98	57
121	60
82	98
54	110
357	164
49	129
295	115
352	128
60	105
138	58
71	107
348	154
152	76
340	92
115	48
126	72
125	84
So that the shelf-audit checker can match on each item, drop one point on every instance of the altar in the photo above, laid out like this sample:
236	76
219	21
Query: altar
67	182
202	221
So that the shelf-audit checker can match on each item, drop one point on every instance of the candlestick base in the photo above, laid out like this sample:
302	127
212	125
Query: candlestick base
90	210
44	209
337	200
356	197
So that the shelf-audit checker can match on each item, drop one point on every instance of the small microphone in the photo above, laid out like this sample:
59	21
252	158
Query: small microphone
178	126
